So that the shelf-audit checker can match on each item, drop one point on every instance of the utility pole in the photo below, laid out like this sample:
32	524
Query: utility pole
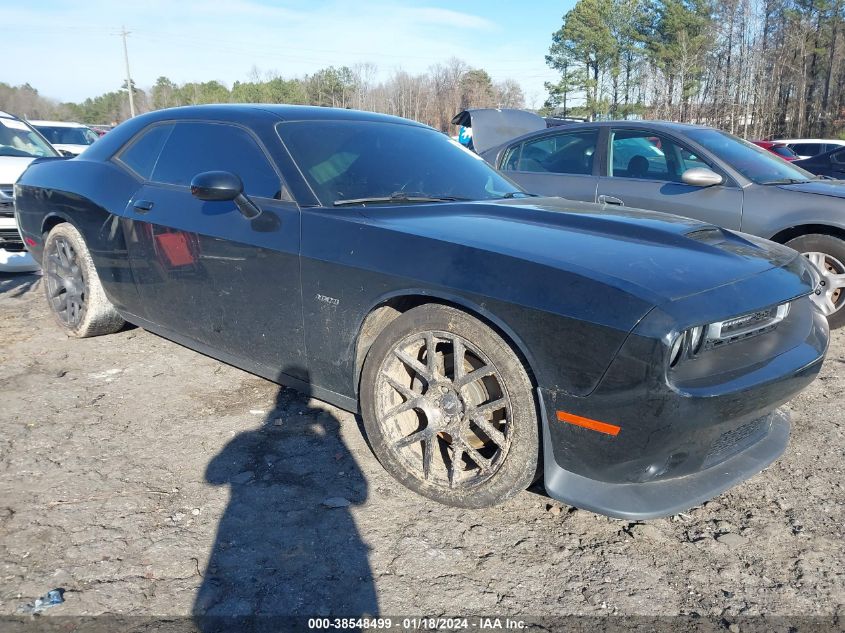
124	33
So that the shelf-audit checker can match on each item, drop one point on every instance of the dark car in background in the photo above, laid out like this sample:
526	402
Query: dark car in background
693	171
830	164
639	357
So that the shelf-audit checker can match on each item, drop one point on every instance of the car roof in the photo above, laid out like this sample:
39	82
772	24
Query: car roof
57	123
236	113
284	112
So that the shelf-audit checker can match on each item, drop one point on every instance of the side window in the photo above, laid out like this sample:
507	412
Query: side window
564	153
689	160
195	147
639	154
807	149
644	155
141	154
511	158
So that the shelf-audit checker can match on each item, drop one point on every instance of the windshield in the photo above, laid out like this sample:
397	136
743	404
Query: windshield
755	163
59	135
358	160
18	139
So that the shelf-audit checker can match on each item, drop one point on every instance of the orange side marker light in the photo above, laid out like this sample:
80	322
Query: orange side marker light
587	423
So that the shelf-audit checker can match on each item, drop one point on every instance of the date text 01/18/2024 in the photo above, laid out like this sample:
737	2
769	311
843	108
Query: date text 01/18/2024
418	623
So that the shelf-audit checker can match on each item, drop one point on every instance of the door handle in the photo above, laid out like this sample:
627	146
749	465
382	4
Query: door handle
142	206
609	200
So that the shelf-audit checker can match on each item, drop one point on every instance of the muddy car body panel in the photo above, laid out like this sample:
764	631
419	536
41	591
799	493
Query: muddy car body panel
592	300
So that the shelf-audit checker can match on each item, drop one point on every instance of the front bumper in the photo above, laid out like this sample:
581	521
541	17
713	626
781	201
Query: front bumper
681	436
650	500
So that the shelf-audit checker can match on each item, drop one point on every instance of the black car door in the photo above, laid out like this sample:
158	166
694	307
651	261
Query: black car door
644	170
204	270
555	163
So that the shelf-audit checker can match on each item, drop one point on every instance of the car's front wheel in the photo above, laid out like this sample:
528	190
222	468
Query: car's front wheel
73	288
449	409
827	253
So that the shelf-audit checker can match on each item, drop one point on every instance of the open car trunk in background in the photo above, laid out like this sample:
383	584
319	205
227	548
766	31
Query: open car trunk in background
493	127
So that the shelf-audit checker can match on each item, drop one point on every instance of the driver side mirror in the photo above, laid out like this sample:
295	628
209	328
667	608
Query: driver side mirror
701	177
216	186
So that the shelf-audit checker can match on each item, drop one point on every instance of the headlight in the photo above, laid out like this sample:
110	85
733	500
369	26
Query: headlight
695	340
677	349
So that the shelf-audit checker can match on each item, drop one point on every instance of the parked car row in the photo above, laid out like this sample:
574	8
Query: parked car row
21	142
634	360
809	147
689	170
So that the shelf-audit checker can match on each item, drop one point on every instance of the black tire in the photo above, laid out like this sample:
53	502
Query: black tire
72	286
488	419
833	249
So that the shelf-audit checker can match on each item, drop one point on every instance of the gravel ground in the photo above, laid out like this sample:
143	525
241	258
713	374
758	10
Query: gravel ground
147	479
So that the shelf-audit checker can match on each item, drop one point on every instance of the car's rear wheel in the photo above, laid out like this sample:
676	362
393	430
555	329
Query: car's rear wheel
449	409
827	253
73	288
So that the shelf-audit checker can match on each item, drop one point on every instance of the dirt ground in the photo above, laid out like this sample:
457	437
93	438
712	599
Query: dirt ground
147	479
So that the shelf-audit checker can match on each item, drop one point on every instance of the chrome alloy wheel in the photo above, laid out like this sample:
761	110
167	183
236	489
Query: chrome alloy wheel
830	294
444	410
65	282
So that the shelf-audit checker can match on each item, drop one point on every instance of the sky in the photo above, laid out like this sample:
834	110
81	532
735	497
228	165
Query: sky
71	49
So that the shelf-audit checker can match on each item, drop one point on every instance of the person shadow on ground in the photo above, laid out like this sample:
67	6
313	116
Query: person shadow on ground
286	544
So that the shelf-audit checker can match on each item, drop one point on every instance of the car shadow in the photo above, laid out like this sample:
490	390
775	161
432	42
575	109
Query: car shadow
18	284
287	544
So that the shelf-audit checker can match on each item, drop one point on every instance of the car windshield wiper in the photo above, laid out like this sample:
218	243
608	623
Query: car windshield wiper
787	181
397	196
519	194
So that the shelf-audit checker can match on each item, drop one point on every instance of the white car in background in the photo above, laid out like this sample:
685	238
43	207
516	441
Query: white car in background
808	147
20	144
68	138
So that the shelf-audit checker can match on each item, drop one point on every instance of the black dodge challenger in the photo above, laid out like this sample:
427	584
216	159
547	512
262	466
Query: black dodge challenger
634	360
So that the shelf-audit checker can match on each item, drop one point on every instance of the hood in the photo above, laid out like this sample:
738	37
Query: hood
76	150
835	188
494	127
11	168
654	256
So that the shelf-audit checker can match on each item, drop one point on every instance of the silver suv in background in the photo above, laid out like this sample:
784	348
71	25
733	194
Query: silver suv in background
20	144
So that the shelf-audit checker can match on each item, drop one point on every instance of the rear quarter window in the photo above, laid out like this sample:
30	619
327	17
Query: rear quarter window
143	151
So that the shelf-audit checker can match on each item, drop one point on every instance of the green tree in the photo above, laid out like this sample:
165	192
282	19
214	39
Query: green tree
164	94
585	39
678	39
572	80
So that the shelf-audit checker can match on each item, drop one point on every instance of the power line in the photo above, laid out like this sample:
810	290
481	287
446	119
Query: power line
124	33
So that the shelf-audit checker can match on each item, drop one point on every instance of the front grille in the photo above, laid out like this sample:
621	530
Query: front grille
745	326
735	440
10	240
